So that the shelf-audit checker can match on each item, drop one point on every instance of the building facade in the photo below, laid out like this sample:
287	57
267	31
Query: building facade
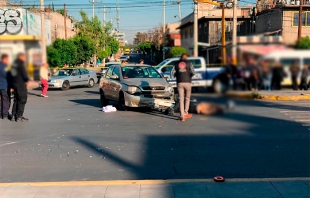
210	30
283	19
20	32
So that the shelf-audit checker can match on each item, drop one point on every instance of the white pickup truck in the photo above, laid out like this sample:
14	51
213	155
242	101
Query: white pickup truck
205	76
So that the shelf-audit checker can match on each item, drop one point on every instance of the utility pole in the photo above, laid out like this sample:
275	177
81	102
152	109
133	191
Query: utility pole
180	13
164	20
234	36
93	6
43	36
300	21
117	17
195	29
104	16
65	20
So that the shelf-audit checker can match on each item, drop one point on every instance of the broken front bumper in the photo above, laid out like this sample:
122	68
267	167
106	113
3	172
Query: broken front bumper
141	101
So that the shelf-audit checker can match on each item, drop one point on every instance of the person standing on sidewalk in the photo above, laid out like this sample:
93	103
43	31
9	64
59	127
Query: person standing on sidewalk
304	77
183	70
44	78
294	75
19	81
5	98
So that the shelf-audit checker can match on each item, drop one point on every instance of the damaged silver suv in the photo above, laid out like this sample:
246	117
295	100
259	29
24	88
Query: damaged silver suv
135	85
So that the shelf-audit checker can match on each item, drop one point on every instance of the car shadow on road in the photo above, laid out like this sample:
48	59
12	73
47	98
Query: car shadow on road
88	102
93	92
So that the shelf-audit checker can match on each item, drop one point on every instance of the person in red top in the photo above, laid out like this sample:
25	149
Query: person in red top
183	70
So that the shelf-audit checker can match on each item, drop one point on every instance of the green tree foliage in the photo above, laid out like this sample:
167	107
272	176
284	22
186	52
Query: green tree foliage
114	46
94	30
177	51
53	57
304	43
145	46
61	11
104	53
85	48
67	51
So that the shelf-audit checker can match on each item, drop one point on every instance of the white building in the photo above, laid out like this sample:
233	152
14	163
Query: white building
120	36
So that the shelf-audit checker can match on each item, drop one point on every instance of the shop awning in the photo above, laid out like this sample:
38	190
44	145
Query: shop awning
262	49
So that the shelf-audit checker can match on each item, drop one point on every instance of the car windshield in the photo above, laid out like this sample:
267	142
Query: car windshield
161	64
63	72
140	72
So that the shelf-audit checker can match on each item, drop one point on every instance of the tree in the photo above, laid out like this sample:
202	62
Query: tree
85	48
67	50
177	51
53	7
114	46
304	43
102	54
95	31
145	46
61	11
53	57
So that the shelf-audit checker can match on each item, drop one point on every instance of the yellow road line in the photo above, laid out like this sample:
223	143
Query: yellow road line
148	182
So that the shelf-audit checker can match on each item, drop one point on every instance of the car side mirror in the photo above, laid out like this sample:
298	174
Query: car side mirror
73	74
114	77
164	69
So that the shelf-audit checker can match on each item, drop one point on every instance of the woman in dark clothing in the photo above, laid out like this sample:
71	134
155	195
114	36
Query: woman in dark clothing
277	76
304	77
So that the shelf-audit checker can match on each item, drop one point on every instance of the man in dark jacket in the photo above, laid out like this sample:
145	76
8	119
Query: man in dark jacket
19	83
5	100
183	70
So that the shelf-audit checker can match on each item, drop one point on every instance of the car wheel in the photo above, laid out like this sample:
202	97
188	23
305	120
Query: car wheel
65	85
218	86
103	100
121	102
91	83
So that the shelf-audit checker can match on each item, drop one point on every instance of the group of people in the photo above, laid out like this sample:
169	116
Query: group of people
263	76
14	80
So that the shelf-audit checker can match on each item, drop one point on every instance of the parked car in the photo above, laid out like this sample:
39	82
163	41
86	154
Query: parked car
66	78
123	58
205	75
134	85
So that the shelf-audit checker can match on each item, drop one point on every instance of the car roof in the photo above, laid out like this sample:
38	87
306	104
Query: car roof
136	65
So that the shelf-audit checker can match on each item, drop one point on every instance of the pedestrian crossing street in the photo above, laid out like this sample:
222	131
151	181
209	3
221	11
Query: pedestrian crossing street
298	111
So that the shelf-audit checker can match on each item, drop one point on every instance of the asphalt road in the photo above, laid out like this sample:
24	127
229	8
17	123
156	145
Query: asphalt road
69	138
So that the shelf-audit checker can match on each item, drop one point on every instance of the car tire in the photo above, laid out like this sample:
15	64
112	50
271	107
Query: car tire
121	102
65	85
103	100
218	86
91	83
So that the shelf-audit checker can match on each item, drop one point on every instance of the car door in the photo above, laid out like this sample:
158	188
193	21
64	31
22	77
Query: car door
75	77
107	83
115	83
85	76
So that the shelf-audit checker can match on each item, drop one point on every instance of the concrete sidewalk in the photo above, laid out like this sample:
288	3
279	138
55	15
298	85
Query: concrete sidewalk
282	95
233	188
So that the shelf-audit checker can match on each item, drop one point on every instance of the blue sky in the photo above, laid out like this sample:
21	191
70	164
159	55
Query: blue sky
135	15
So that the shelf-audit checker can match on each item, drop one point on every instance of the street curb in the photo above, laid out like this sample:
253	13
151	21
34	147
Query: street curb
149	182
252	96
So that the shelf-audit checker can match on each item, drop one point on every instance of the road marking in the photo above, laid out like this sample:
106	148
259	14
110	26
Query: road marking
144	182
302	120
8	143
305	124
294	111
306	116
